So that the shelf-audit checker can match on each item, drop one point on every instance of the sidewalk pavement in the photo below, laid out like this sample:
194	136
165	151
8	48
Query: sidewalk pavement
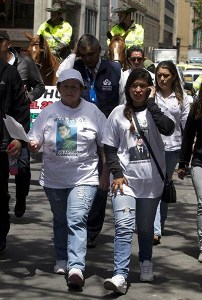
26	270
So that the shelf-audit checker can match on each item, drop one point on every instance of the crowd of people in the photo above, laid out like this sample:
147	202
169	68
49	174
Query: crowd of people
93	141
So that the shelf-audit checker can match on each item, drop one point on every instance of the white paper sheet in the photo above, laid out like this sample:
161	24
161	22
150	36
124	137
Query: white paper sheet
15	129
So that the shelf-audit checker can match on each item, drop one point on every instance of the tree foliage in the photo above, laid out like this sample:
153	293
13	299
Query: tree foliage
198	13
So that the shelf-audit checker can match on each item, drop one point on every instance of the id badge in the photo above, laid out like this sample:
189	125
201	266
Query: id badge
92	95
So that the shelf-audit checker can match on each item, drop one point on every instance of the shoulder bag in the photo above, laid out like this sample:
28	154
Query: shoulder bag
169	191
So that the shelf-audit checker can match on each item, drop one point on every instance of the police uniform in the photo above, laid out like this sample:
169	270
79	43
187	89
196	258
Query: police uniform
58	36
135	36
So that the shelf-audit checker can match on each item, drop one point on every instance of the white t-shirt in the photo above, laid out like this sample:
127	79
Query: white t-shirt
176	112
143	177
69	137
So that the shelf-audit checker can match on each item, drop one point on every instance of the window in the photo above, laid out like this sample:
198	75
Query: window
16	13
90	22
168	21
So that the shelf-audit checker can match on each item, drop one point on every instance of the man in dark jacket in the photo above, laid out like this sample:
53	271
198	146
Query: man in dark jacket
34	88
104	84
14	103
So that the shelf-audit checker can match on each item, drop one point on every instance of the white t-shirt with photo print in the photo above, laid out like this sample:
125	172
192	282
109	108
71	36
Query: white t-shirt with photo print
143	177
69	158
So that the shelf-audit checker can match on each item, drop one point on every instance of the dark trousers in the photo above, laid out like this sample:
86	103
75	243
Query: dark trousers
22	180
4	196
97	213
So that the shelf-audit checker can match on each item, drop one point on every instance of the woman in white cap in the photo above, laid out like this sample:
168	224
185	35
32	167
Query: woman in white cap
69	175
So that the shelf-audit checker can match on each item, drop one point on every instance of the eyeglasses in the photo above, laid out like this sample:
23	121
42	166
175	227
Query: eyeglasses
136	58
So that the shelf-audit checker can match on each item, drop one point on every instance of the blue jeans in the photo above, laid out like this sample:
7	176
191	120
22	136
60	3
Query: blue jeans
196	175
171	158
70	208
129	211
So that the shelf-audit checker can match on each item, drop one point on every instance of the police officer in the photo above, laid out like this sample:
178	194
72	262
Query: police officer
57	32
197	84
135	36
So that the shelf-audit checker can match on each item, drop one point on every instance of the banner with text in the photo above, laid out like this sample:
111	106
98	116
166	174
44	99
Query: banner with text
50	96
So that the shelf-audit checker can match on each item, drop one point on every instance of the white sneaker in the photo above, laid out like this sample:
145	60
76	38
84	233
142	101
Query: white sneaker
75	278
146	270
60	267
117	284
200	257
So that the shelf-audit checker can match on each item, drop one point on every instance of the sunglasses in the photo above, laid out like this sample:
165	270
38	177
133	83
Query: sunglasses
136	58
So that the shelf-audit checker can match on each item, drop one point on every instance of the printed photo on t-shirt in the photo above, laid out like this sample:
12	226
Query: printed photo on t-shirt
138	151
66	135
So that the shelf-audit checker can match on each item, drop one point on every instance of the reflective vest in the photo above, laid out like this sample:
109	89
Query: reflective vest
57	36
197	83
134	38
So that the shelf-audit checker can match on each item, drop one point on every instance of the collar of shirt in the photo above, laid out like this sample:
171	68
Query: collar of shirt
172	95
96	67
12	60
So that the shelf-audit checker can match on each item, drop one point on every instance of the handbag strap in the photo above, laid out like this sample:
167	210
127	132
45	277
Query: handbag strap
148	146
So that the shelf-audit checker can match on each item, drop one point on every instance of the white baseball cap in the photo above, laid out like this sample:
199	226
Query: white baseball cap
70	74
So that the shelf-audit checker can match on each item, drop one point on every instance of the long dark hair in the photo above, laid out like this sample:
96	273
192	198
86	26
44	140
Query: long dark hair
196	107
134	75
176	85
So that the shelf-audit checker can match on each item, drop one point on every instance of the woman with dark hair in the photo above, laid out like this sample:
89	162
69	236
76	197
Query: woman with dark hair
137	185
173	101
193	136
69	175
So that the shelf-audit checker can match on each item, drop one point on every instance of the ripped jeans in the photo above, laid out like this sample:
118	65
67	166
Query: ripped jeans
129	211
196	175
70	208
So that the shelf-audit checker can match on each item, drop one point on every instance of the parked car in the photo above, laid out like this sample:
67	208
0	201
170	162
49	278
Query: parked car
190	75
185	67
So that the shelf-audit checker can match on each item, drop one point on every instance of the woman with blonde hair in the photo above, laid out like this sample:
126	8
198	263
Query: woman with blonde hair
173	101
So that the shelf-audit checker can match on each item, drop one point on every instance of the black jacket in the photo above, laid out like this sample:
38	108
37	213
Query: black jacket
192	133
30	75
106	84
12	101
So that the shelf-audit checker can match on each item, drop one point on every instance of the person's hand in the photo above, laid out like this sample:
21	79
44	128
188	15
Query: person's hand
152	91
181	173
33	146
118	183
14	148
74	49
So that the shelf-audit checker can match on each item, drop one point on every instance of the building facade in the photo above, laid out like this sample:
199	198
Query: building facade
161	20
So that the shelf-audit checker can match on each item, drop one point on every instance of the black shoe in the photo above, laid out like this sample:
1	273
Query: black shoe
2	245
91	243
20	208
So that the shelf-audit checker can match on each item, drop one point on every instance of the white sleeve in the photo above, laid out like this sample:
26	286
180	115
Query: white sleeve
185	110
122	97
68	63
36	133
111	133
101	126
